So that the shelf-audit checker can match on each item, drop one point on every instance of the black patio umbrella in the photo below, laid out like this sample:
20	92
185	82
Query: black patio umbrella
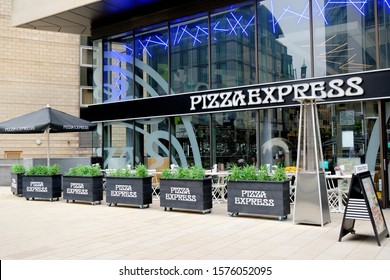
46	120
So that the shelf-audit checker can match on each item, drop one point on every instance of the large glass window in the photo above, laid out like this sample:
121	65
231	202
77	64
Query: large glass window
190	138
97	71
384	33
234	138
151	62
189	54
279	136
118	145
152	142
343	133
283	40
233	47
118	69
344	37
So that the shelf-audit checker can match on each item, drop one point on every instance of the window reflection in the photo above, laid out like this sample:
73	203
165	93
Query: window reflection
234	138
283	40
233	47
383	27
189	55
190	140
279	136
118	70
151	62
344	37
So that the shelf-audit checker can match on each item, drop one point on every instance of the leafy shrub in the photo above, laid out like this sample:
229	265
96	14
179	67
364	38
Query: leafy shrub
120	172
235	173
239	173
85	170
140	171
251	173
18	168
193	172
54	169
263	173
279	173
167	173
197	172
183	173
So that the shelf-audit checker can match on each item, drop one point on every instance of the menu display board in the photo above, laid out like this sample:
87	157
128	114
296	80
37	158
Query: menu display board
374	204
363	204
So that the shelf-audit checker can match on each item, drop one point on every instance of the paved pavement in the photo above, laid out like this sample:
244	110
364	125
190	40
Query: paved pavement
44	230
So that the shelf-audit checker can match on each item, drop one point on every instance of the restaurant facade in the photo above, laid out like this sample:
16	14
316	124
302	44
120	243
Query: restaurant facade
215	82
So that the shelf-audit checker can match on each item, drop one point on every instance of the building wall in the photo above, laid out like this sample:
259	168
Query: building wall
28	10
37	68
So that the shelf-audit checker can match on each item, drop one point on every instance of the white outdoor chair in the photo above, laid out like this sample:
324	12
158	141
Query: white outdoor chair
333	194
219	188
156	184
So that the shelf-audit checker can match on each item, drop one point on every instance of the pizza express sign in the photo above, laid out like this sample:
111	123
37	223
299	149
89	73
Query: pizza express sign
273	95
341	88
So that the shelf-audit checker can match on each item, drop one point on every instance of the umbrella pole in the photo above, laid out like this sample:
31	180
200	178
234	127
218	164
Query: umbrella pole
48	146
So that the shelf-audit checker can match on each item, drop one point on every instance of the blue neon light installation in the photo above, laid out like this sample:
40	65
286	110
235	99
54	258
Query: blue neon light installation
233	23
319	10
236	23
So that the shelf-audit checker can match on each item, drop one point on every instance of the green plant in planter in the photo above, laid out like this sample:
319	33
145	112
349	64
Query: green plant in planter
140	171
263	174
54	169
196	189
279	174
251	173
120	172
197	172
183	173
85	170
243	173
18	168
235	173
167	174
193	172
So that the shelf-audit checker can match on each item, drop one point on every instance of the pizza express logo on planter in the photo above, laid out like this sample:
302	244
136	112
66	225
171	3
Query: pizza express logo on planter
335	88
36	187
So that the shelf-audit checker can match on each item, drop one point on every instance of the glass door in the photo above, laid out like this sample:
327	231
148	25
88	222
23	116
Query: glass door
384	186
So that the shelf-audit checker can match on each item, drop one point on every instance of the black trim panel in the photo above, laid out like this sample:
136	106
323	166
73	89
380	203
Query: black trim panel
340	88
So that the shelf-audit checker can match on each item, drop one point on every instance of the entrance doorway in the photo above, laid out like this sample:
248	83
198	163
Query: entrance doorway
384	185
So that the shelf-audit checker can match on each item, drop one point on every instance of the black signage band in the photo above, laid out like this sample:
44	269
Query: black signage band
340	88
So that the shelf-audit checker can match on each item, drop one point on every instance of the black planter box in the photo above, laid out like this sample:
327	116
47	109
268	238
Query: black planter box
132	191
83	188
256	197
17	184
42	186
190	194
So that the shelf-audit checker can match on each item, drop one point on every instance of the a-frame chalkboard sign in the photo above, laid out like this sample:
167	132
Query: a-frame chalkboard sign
363	205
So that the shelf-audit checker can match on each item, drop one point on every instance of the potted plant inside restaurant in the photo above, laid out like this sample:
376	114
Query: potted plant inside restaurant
43	181
83	183
186	188
258	191
17	171
127	186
